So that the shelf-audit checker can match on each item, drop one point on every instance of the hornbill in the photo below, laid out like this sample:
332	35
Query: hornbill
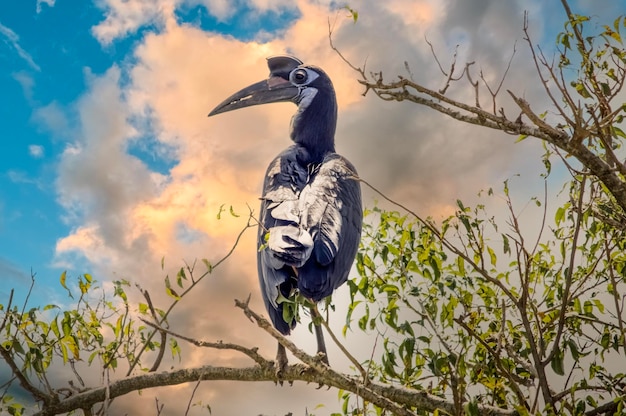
311	214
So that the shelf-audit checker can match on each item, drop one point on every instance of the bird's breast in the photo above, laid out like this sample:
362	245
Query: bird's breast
288	194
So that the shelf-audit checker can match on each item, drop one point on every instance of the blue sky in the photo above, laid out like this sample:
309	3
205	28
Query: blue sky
43	62
44	55
109	163
46	51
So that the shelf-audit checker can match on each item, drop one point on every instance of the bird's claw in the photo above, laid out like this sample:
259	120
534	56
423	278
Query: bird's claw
281	364
280	371
306	369
321	357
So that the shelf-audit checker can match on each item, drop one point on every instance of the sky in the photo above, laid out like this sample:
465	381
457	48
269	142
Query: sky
109	163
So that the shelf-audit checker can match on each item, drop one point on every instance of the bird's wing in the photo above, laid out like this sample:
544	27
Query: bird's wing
331	211
310	227
283	179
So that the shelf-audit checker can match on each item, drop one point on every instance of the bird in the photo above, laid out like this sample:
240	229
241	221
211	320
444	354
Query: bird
311	211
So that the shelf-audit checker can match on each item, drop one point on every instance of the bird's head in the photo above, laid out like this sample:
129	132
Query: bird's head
289	80
307	86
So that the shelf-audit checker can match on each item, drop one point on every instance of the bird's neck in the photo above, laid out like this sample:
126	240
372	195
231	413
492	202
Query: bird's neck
313	126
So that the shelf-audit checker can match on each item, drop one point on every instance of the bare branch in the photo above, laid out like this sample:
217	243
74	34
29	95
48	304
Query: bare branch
24	382
193	393
343	349
250	352
332	46
396	399
494	93
162	346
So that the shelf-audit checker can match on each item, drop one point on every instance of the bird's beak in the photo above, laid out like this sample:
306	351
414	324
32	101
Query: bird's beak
271	90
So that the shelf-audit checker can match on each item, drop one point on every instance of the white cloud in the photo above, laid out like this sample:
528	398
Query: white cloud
125	17
49	3
27	83
18	176
98	181
36	151
11	39
52	117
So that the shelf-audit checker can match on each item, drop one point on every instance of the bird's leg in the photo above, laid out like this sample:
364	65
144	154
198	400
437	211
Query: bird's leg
281	363
319	335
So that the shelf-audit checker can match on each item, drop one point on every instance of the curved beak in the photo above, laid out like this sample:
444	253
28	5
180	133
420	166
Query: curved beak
271	90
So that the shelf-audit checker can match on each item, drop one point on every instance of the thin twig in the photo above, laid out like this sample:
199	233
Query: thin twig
166	313
193	393
162	346
250	352
343	349
493	93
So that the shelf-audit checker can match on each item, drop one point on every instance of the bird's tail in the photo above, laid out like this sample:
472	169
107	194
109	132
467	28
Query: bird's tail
289	245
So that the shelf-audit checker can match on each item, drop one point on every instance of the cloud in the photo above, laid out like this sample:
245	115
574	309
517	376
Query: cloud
36	151
27	83
99	182
125	17
53	118
11	39
10	271
18	176
49	3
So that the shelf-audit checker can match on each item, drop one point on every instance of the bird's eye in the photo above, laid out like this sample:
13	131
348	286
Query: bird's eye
299	76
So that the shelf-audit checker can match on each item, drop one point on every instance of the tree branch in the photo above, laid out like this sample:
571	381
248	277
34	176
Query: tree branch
394	398
219	345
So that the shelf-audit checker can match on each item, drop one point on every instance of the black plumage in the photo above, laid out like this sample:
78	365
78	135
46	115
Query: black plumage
311	214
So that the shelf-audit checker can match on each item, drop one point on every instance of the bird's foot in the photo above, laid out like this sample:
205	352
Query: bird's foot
322	357
281	364
306	369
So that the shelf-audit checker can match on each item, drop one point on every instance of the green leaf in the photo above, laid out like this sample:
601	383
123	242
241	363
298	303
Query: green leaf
208	265
618	132
506	248
168	289
219	213
557	363
614	34
563	39
70	342
599	305
54	325
17	347
581	89
353	13
175	348
62	279
606	90
389	288
471	409
143	308
180	276
492	256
